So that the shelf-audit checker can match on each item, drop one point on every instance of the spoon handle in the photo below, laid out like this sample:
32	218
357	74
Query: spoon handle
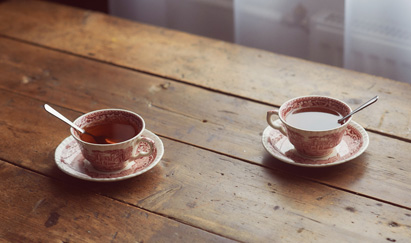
371	101
61	117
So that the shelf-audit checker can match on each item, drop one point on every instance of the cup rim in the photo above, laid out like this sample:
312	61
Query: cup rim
74	131
313	131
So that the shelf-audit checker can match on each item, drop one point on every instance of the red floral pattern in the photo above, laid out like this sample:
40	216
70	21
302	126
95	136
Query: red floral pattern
107	116
351	144
314	143
319	101
316	146
109	157
109	160
73	158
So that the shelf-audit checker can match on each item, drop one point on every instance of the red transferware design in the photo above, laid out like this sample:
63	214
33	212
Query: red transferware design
104	116
325	102
354	143
70	160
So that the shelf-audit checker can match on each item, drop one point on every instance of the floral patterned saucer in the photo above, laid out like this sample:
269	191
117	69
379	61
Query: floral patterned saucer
69	159
353	144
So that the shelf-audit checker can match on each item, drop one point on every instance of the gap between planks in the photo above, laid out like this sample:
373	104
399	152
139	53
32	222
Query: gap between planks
178	81
139	71
216	152
118	200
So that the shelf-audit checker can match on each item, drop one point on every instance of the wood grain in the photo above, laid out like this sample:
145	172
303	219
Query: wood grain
219	194
207	119
207	100
39	209
246	72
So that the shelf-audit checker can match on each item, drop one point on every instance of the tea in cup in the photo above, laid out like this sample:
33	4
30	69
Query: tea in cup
112	138
311	123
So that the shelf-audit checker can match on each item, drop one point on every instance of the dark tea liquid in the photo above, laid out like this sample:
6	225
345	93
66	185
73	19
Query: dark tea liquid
109	133
314	119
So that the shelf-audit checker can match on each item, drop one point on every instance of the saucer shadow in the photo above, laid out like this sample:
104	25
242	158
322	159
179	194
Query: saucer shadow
114	189
341	174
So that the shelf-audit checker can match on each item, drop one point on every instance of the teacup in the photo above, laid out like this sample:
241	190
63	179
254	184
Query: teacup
121	129
303	121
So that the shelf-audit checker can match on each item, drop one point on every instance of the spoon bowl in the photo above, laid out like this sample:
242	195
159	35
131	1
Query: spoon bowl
97	139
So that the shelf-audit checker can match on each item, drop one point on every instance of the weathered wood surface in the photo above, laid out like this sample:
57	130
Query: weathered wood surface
40	209
215	182
219	194
181	112
233	69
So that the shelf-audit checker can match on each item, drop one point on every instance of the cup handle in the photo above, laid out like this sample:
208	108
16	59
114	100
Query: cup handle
141	154
277	124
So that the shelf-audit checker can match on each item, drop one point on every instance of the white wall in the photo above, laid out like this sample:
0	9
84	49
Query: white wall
378	38
318	30
212	18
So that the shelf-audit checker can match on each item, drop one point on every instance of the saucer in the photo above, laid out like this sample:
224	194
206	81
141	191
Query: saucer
69	159
353	144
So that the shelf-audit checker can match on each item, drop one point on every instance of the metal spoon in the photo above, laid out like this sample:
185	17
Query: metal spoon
97	139
371	101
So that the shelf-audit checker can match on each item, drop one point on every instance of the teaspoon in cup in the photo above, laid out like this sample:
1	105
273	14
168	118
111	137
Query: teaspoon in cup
55	113
371	101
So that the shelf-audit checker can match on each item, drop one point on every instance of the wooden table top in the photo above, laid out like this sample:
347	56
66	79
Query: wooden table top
206	100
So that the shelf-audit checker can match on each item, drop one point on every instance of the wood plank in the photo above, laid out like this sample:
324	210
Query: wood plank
176	111
222	195
39	209
218	65
255	204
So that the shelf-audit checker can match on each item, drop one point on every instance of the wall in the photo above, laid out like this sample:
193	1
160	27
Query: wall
310	29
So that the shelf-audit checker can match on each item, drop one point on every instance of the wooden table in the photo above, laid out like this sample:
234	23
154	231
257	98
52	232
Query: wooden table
207	101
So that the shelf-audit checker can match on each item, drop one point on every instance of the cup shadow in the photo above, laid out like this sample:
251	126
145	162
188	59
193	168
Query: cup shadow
341	175
116	189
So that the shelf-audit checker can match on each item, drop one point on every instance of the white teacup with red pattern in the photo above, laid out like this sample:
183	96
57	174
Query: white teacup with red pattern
117	138
307	122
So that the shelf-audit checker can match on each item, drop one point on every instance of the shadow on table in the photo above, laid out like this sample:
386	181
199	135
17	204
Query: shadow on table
135	188
342	174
